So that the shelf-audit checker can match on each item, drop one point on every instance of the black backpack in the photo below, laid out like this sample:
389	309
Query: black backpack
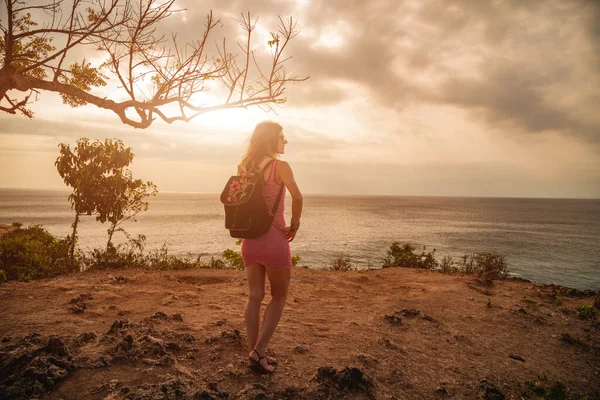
246	213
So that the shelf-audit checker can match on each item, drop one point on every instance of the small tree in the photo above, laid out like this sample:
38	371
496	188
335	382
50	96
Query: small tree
84	169
102	184
41	49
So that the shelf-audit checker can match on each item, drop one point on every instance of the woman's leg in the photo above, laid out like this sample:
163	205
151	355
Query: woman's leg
280	283
255	275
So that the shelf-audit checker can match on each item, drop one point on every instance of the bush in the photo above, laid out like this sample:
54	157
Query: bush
447	265
405	256
161	259
295	260
233	258
586	312
34	253
340	263
124	255
3	277
217	263
468	264
490	266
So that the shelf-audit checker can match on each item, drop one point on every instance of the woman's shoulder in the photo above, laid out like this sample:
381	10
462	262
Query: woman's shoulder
283	164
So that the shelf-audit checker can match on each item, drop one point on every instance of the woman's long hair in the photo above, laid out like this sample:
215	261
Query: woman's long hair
263	143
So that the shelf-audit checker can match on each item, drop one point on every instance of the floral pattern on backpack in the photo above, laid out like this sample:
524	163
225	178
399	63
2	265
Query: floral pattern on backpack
238	189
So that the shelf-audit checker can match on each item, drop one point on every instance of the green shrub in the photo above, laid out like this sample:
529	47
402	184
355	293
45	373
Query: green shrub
295	260
3	277
467	265
233	258
586	312
217	263
447	265
124	255
161	259
490	266
34	253
405	256
341	263
542	387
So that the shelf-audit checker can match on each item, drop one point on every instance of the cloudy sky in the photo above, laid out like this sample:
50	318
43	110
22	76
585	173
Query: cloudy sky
432	97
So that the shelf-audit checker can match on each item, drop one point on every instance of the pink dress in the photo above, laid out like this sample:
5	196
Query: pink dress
272	248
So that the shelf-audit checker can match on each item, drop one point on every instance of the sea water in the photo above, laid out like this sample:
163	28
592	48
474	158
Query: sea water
544	240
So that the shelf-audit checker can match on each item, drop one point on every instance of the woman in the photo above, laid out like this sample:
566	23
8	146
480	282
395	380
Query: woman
268	254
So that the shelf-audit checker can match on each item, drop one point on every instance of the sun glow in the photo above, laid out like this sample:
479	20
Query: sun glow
230	125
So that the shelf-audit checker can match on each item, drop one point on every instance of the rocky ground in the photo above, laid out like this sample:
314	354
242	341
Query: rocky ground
378	334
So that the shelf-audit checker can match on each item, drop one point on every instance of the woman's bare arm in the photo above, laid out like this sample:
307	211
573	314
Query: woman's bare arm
285	175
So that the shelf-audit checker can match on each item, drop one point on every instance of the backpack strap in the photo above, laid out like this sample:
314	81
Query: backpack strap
272	174
261	175
276	205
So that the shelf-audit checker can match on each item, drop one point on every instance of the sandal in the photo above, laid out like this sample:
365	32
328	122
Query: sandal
257	366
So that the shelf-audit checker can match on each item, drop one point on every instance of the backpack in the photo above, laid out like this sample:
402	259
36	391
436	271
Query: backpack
246	213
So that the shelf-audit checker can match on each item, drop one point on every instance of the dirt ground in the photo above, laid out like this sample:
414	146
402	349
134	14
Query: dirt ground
382	334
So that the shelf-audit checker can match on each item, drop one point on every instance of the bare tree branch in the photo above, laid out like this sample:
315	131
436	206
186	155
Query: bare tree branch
125	31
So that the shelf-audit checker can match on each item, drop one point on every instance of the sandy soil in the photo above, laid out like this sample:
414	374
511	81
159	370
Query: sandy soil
384	334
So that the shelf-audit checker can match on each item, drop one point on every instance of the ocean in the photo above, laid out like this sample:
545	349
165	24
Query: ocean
544	240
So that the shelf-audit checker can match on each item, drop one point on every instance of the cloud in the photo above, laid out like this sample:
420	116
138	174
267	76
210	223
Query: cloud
527	64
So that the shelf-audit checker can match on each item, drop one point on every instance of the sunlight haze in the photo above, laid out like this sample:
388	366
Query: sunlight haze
441	98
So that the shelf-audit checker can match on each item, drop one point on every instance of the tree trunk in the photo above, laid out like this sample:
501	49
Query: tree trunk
111	230
74	236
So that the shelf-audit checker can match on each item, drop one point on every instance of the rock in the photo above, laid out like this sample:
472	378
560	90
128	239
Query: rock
188	338
81	298
30	368
159	315
347	380
441	390
489	391
254	391
108	387
57	347
392	319
77	308
516	357
409	312
290	393
233	335
118	326
101	362
178	317
427	318
125	345
300	350
573	341
152	346
388	344
172	346
367	360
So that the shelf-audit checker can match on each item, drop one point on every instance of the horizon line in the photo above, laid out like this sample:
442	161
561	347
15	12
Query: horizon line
344	194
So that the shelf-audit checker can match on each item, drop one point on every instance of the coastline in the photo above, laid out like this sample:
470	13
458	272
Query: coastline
382	333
